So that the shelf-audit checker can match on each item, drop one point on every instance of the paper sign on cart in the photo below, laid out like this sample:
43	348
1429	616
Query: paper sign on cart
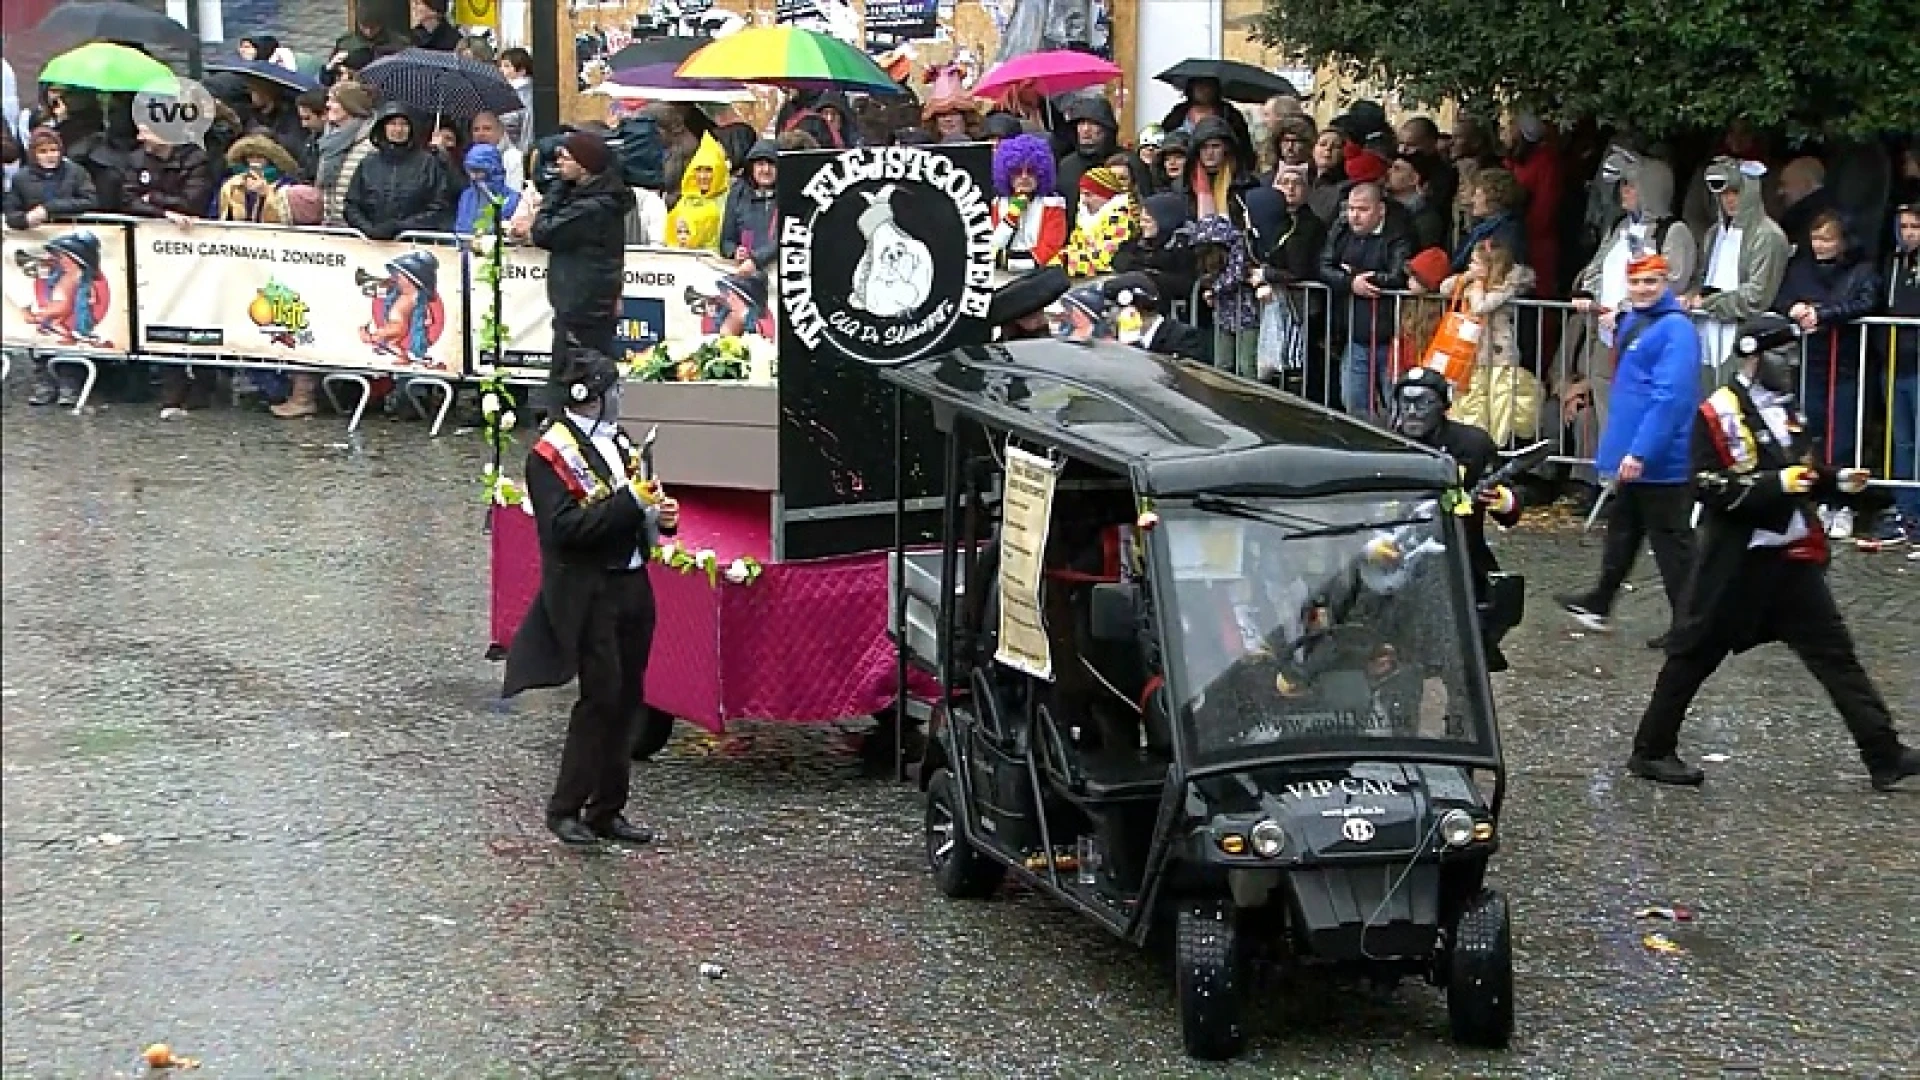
1025	512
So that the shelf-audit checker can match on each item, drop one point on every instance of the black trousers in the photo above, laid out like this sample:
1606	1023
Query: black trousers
1793	605
1663	512
613	673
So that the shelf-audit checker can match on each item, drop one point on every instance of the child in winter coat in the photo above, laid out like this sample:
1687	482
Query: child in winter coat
694	222
1106	216
1501	396
253	192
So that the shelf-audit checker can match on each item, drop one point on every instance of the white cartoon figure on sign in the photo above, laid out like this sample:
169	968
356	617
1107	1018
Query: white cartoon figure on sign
895	275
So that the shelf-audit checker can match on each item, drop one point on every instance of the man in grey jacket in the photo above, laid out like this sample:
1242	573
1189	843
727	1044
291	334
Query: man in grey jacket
1742	261
1643	189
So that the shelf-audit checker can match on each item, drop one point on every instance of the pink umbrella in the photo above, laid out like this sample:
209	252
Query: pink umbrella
1057	72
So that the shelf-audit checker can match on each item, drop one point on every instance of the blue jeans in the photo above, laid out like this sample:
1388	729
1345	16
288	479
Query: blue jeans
1905	465
1367	377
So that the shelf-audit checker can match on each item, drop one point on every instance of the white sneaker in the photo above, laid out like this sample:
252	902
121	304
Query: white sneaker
1825	514
172	412
1841	525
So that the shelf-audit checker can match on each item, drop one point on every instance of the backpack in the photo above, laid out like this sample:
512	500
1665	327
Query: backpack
642	156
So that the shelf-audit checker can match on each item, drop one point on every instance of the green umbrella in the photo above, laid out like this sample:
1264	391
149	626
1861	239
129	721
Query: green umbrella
111	69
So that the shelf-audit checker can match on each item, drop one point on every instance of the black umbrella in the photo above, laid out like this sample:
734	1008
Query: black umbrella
265	72
661	50
1238	82
436	83
113	20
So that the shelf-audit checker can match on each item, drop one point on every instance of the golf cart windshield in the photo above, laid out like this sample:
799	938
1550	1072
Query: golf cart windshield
1319	624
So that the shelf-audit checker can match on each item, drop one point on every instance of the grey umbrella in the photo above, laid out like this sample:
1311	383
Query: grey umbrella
112	20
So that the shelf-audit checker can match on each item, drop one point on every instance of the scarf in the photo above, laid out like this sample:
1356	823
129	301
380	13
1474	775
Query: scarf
334	146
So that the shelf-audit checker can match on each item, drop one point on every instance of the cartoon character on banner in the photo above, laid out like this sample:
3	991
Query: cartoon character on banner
408	316
733	306
70	294
895	274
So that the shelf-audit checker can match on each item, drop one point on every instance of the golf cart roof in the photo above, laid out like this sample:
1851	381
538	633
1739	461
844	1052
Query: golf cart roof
1174	427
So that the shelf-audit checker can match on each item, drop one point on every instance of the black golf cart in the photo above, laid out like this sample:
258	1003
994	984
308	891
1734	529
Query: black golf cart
1209	663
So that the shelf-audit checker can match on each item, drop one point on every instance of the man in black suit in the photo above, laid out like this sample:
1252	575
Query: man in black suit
1141	323
1760	568
1421	398
599	520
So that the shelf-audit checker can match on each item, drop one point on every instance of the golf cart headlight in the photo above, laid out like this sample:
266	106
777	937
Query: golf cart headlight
1456	828
1269	839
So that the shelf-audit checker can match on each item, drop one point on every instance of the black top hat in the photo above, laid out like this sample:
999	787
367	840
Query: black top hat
586	373
1029	293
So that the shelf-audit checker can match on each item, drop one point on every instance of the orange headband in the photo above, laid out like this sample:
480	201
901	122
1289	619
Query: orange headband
1647	264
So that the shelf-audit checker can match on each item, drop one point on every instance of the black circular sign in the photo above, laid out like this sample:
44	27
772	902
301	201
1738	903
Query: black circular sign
889	251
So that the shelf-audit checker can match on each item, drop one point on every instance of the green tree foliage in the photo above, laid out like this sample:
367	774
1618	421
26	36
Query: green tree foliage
1658	65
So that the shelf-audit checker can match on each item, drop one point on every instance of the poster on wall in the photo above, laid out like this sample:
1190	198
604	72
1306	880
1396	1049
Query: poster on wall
281	296
675	297
891	22
838	18
65	289
885	257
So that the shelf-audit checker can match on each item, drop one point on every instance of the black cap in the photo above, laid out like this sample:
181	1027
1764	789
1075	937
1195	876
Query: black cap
1029	293
1135	290
1424	378
587	374
1765	332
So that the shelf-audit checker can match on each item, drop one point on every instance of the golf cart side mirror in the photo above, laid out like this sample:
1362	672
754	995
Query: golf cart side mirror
1115	614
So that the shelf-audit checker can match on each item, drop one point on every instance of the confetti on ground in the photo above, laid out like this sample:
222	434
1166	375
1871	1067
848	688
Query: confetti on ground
1662	944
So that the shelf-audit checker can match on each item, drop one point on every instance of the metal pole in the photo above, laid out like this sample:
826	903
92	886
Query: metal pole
193	27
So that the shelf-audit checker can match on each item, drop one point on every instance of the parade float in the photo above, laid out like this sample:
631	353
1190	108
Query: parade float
777	441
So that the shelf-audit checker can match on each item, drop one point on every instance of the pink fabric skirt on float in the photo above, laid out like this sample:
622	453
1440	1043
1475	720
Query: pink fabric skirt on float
803	643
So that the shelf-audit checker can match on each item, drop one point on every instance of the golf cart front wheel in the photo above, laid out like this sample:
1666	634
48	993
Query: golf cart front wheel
651	733
959	869
1208	974
1480	974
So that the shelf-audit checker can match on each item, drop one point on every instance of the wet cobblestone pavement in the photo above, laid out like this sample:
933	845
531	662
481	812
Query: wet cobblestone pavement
260	803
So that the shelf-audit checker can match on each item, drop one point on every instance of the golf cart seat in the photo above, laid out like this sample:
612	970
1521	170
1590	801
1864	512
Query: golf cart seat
1122	775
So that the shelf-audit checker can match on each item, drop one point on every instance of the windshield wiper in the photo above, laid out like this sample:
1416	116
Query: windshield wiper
1220	504
1306	528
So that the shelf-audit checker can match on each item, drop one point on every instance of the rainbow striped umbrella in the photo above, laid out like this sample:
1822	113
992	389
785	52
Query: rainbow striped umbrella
791	57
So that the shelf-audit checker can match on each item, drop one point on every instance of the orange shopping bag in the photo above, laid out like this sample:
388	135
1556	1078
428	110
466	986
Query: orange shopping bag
1456	344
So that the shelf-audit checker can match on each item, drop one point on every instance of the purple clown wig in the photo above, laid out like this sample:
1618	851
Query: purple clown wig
1023	152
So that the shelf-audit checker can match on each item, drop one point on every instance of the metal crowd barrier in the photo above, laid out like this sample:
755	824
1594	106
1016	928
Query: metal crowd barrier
1566	397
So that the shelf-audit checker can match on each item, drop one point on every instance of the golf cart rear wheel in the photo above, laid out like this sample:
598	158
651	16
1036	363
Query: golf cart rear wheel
1480	974
651	733
959	869
1209	975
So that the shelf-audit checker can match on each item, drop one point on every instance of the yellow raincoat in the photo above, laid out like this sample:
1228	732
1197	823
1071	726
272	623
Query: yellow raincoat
694	222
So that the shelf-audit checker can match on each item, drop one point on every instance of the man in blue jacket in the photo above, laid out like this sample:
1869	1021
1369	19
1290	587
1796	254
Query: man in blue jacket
1644	448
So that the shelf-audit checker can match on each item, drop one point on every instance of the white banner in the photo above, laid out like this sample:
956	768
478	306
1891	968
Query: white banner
66	289
678	297
287	296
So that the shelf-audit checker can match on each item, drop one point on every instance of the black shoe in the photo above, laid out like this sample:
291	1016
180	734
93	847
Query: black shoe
1666	770
572	831
1659	644
45	392
619	828
68	396
1888	779
1584	612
